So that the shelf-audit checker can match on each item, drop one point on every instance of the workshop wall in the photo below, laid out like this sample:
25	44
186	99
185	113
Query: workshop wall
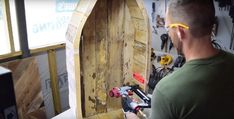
156	29
223	36
158	8
224	28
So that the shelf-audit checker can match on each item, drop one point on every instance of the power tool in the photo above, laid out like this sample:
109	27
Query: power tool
129	103
166	60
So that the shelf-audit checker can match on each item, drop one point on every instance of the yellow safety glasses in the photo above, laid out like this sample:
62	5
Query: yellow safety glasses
176	25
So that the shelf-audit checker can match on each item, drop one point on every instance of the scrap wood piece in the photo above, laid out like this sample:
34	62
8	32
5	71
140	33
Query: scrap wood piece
26	84
37	114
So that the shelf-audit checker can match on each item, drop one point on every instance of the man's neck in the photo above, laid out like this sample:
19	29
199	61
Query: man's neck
199	49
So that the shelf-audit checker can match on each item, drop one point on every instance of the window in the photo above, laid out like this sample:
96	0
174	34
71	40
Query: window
47	21
4	42
5	47
14	25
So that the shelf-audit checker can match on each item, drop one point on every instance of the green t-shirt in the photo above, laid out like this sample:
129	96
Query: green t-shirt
201	89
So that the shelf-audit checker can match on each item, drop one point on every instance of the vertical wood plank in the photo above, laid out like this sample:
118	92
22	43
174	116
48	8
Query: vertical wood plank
128	48
89	66
54	81
7	20
101	55
115	44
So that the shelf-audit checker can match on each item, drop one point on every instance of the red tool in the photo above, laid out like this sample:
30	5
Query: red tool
126	92
139	78
118	92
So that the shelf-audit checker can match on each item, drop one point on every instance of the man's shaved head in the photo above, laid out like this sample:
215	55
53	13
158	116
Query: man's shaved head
199	15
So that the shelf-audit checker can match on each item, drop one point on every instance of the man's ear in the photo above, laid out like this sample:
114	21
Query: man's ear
180	33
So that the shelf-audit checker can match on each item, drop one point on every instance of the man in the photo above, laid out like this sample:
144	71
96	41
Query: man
204	87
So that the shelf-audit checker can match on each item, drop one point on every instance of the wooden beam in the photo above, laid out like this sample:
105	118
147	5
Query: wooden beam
10	55
46	48
54	81
33	51
7	19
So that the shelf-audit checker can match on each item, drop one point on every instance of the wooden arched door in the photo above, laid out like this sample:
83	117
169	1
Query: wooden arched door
107	41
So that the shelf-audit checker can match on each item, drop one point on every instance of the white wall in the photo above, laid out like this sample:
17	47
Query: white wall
160	6
224	28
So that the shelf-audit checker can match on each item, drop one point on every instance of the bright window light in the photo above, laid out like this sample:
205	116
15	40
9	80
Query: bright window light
4	42
14	25
47	21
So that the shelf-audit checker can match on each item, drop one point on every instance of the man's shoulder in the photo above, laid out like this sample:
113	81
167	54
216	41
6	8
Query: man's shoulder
175	84
173	78
169	84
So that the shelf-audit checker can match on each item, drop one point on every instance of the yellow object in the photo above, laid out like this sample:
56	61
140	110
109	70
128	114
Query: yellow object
166	60
176	25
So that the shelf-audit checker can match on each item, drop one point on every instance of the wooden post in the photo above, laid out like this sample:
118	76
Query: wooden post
54	81
7	19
